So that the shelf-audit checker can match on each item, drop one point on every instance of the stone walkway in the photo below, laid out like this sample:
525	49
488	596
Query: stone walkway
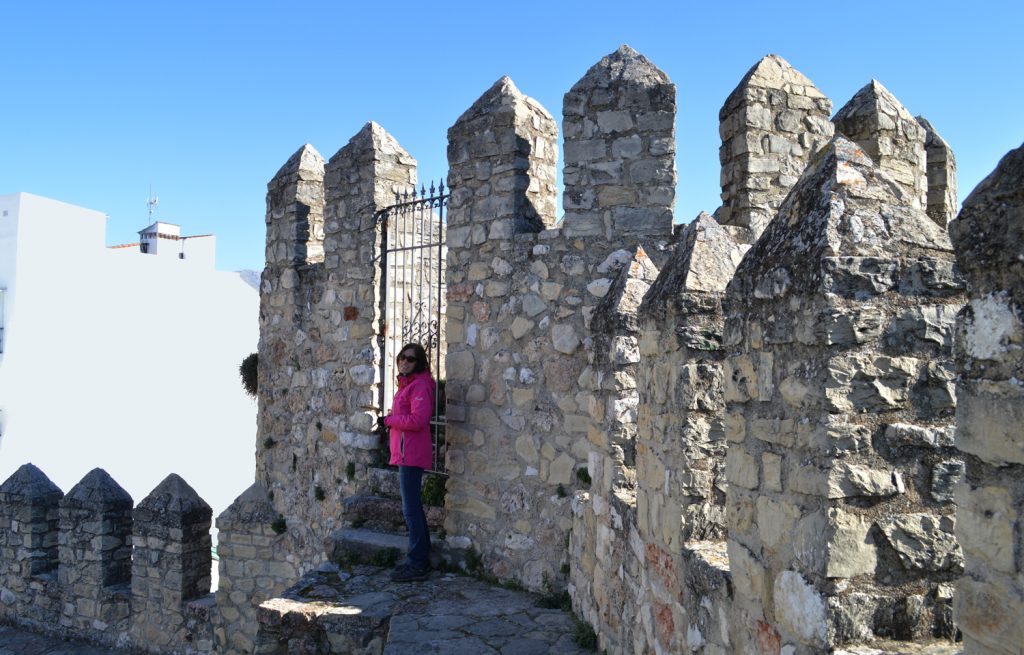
450	614
19	642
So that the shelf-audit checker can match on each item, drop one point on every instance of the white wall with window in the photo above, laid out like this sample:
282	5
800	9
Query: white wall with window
117	359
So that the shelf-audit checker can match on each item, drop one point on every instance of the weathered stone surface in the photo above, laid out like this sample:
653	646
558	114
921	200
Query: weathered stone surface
941	175
771	125
877	122
619	133
924	542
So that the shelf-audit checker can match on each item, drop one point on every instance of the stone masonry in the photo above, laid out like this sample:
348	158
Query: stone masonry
521	300
771	125
839	405
85	565
988	236
941	172
735	436
891	136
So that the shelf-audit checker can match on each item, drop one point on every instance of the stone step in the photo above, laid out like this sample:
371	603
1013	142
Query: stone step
385	514
359	545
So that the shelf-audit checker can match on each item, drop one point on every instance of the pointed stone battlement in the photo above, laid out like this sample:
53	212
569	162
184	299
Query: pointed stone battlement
771	126
619	127
889	134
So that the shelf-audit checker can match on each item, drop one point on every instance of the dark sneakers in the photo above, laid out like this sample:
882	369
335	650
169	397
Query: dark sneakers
410	573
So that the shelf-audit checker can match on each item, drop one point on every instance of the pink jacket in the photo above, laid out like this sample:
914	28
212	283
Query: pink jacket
410	421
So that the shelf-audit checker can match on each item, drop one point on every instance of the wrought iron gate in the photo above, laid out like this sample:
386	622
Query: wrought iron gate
412	293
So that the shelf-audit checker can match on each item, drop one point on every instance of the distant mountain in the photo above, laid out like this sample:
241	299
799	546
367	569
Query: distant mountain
251	277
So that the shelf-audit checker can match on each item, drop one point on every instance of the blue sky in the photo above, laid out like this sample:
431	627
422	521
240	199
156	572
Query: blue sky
205	101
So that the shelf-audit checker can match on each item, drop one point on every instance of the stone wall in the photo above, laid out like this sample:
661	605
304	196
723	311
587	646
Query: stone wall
85	565
523	368
990	411
891	136
771	125
839	392
320	350
731	437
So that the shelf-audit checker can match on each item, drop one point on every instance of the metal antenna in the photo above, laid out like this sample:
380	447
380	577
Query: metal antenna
152	203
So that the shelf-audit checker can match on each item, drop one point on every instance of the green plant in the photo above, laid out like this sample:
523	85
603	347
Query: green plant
583	475
269	442
358	523
318	493
350	471
553	598
564	569
473	560
433	490
385	557
442	534
560	491
279	525
248	370
583	634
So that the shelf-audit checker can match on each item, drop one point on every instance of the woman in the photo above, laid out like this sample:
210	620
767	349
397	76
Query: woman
411	451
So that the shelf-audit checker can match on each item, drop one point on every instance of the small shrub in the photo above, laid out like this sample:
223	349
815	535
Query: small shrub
584	635
433	491
350	471
442	534
560	491
583	475
385	557
269	443
279	525
555	601
473	560
247	371
318	493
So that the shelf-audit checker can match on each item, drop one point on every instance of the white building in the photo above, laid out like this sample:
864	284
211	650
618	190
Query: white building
124	357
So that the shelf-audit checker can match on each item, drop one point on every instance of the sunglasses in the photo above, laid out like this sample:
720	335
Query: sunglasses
407	358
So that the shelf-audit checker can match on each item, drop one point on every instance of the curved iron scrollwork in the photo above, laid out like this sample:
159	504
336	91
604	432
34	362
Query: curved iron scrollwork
412	294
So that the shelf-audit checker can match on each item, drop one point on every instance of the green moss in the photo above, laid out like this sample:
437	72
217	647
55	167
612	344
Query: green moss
560	491
318	493
350	471
279	525
269	443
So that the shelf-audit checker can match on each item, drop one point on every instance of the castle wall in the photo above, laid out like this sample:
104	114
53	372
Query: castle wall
990	410
320	355
940	169
534	388
839	393
771	125
85	565
717	443
876	121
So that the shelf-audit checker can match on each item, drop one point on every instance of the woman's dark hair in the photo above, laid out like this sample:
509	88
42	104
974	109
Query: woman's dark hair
422	364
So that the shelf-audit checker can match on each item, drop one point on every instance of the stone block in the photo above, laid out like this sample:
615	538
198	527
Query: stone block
799	608
989	416
741	469
986	520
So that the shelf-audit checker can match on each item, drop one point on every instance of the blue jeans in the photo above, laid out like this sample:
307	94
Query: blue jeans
410	479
